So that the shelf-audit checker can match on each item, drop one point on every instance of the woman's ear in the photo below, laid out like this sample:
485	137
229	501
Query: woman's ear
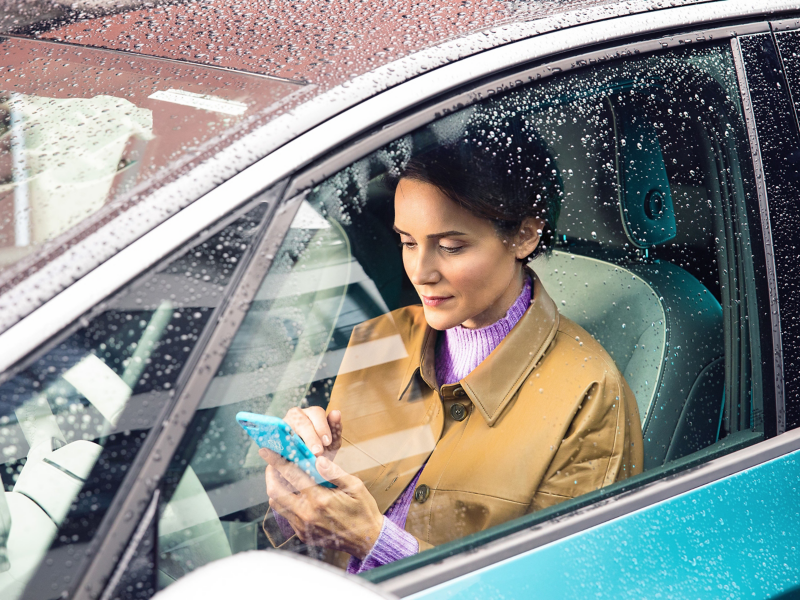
528	236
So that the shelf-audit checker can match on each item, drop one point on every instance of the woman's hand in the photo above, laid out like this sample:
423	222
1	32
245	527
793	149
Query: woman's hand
345	518
321	433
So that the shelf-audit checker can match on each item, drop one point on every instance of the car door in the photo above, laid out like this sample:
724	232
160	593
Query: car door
700	301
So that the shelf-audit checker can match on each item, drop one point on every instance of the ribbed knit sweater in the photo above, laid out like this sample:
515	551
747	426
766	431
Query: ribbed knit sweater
458	352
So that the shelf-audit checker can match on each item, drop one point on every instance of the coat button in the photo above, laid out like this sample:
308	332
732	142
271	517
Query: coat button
459	392
458	412
421	493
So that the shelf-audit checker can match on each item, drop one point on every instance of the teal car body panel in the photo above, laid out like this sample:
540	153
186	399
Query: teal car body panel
738	537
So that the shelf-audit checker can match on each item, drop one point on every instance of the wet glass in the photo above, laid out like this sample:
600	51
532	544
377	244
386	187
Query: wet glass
653	257
788	43
74	419
85	133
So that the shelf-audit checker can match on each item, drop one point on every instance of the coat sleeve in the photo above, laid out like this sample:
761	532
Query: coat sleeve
602	444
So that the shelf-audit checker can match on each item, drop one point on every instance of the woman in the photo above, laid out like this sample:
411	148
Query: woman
501	406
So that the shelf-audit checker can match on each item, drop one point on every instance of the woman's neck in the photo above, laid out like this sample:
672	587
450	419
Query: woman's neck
459	350
500	307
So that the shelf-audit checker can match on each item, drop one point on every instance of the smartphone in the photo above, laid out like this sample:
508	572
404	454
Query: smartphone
275	434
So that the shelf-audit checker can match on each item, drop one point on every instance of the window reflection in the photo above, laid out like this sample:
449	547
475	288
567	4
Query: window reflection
86	132
61	158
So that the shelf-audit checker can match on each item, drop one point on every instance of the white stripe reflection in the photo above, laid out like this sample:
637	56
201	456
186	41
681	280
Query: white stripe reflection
385	449
230	389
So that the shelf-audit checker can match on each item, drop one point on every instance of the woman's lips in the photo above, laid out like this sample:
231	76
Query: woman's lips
435	300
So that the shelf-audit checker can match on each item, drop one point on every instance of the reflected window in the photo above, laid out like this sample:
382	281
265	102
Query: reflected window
62	156
86	132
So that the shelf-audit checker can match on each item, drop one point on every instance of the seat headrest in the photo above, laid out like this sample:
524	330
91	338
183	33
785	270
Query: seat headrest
645	201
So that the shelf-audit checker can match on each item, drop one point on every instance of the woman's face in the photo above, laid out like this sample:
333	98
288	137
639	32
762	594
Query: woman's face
464	273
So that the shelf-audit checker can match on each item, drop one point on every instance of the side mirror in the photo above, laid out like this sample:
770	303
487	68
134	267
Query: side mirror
271	574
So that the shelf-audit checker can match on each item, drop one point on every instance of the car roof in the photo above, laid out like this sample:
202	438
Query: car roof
322	42
355	70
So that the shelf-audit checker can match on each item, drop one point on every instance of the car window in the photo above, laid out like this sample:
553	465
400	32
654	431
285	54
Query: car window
81	130
653	266
73	420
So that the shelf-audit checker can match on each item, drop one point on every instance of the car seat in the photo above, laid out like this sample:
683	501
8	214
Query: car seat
662	326
31	513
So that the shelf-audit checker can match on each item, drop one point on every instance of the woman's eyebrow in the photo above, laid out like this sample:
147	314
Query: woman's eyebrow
450	233
431	236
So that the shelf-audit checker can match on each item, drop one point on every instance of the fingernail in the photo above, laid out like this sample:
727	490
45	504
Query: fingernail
326	440
317	448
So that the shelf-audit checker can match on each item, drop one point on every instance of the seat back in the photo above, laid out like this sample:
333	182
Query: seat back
618	308
662	327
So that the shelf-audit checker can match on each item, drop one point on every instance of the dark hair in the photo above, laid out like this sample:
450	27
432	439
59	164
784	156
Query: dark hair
503	174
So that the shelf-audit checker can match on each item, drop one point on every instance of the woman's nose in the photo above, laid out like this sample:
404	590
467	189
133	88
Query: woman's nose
424	270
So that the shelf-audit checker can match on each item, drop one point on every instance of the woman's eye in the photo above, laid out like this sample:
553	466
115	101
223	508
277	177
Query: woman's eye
408	244
450	249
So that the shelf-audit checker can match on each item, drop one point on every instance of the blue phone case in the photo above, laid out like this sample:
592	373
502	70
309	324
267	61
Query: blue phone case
275	434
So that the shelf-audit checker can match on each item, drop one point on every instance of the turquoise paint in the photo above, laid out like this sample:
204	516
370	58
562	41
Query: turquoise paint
735	538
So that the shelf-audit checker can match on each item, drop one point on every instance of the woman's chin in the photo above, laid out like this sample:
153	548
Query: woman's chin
439	319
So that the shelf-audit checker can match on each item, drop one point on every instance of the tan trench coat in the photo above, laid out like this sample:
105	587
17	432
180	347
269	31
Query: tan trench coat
546	417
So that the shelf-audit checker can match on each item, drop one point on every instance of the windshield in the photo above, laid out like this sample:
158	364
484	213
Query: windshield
80	129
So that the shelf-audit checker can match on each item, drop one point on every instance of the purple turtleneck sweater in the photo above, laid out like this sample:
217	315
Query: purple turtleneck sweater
458	352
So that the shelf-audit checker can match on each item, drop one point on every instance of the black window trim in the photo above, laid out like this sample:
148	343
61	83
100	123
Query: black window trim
766	233
778	27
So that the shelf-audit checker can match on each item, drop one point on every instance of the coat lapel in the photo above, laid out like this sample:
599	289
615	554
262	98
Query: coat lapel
494	382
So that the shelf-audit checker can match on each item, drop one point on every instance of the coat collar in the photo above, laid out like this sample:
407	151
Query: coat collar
494	382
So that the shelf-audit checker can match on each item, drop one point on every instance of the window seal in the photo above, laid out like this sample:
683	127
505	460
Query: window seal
766	232
133	545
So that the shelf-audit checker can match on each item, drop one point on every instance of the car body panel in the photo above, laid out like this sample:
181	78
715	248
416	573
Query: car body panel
737	537
323	43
